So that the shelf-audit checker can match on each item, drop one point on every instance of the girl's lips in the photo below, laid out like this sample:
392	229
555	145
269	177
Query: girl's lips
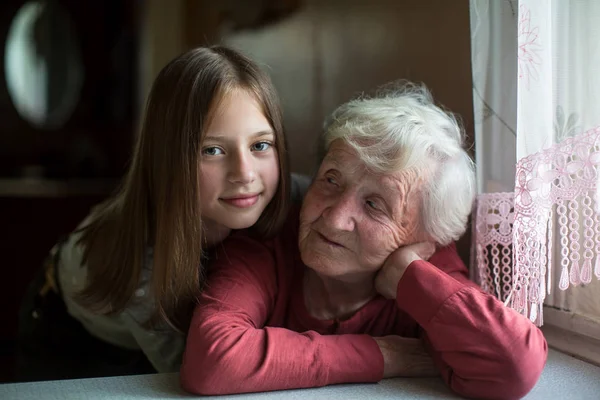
244	201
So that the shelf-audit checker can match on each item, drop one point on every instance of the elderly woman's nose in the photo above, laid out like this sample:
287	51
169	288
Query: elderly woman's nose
242	169
340	214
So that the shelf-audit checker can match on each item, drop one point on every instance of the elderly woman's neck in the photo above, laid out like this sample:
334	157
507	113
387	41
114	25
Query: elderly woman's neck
336	298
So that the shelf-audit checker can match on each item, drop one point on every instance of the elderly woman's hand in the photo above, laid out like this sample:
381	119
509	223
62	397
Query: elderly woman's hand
405	357
386	281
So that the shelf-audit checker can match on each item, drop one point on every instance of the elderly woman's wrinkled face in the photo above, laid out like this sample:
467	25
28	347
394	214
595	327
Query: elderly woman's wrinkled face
353	219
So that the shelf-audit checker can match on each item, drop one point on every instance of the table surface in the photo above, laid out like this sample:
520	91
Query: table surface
563	378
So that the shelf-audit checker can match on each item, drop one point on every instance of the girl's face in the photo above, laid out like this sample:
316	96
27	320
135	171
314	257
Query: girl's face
239	167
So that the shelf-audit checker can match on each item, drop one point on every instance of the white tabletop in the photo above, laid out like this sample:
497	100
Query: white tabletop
563	378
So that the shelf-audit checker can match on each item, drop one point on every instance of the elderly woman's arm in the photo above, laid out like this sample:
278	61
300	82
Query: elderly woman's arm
482	348
230	350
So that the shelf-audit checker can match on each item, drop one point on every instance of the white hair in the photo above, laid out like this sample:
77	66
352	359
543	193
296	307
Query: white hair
402	128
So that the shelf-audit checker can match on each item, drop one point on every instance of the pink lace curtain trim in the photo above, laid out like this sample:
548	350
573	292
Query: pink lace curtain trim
493	234
555	194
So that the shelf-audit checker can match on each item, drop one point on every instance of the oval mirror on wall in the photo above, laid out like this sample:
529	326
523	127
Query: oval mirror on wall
44	72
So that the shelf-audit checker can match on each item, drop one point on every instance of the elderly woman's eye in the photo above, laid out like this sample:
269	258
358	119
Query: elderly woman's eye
371	204
330	180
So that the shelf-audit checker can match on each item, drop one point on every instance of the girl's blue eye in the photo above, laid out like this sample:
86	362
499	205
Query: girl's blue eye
212	151
261	146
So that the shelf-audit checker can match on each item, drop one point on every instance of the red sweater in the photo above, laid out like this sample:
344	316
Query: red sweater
251	331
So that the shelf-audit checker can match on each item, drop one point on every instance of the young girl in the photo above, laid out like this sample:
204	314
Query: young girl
116	295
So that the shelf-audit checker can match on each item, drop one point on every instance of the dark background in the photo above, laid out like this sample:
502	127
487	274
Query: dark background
319	54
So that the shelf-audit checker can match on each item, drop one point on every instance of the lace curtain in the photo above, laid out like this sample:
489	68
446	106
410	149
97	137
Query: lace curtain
536	91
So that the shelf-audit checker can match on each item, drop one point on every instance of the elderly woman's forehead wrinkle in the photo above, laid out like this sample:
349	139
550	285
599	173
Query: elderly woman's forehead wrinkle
404	187
403	182
337	152
345	160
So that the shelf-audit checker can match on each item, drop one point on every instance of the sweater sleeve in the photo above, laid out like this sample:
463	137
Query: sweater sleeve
230	350
483	349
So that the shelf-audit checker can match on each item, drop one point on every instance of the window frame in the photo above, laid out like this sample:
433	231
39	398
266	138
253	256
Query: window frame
572	334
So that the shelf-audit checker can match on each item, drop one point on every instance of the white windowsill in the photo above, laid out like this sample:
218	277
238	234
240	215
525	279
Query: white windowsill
572	334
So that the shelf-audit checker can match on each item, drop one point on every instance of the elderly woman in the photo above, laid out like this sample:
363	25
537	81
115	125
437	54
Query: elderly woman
345	294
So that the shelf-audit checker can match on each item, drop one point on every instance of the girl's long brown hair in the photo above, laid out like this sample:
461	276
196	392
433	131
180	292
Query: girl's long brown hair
157	205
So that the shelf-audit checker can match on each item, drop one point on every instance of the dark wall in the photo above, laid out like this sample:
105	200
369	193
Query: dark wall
105	34
330	51
319	56
51	176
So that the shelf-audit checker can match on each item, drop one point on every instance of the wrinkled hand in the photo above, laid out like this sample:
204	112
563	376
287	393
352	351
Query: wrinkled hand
386	281
405	357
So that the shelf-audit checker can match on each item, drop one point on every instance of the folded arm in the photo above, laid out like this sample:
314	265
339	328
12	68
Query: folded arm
482	348
230	350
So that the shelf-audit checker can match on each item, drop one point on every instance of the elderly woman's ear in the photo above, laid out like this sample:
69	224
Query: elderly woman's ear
386	281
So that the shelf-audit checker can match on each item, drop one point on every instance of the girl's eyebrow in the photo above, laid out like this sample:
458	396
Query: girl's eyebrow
222	138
